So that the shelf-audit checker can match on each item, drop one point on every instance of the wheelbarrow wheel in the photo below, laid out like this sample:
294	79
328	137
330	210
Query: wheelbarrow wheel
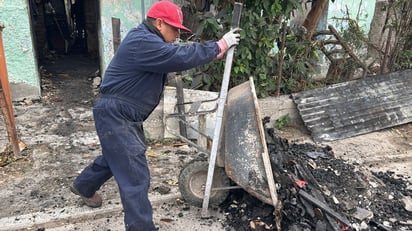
192	183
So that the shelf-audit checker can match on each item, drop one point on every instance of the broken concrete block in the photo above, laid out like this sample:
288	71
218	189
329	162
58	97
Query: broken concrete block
408	203
362	214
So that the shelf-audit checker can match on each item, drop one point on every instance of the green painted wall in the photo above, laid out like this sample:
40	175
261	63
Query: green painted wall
130	14
363	10
20	56
18	49
18	45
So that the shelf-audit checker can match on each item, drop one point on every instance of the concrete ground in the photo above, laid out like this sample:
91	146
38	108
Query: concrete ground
34	190
167	216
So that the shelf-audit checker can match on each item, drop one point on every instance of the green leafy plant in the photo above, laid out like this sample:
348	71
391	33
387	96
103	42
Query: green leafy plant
401	27
281	122
260	23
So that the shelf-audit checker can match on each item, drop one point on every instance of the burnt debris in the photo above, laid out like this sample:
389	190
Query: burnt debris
320	192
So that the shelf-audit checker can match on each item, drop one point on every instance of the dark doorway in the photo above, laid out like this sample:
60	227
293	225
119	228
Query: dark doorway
65	39
65	27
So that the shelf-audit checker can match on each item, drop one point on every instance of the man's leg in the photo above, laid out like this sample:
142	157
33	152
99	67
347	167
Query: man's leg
92	177
97	173
122	139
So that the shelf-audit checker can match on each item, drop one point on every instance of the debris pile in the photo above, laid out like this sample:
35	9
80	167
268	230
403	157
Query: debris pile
320	192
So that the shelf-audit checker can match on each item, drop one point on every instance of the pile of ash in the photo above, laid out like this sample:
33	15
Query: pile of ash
320	192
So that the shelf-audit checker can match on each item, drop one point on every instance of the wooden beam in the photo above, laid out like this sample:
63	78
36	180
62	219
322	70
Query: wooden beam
116	33
5	99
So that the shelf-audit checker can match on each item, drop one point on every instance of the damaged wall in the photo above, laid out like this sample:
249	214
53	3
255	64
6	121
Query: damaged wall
18	49
18	39
20	55
355	9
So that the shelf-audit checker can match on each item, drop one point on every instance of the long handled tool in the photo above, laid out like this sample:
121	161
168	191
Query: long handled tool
219	113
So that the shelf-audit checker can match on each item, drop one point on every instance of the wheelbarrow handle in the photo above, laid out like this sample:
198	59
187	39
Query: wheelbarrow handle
220	111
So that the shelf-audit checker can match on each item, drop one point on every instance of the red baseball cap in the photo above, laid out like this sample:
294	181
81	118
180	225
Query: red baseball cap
168	12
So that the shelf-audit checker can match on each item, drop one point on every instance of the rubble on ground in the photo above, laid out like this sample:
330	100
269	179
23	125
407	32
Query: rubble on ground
320	192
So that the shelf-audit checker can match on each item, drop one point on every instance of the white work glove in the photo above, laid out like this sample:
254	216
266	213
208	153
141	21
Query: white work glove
228	40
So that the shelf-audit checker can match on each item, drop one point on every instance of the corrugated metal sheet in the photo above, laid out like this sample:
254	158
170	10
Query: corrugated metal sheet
357	107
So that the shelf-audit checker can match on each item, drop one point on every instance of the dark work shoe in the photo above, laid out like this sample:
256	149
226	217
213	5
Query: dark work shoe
94	202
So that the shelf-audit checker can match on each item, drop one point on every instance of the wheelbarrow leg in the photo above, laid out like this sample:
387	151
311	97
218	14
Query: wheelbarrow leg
219	113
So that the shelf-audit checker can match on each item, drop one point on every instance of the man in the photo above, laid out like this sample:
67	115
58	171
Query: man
132	87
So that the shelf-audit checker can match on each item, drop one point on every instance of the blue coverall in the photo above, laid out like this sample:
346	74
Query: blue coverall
132	87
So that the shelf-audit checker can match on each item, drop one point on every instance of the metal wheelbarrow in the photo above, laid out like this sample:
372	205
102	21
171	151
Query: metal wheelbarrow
239	155
242	157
